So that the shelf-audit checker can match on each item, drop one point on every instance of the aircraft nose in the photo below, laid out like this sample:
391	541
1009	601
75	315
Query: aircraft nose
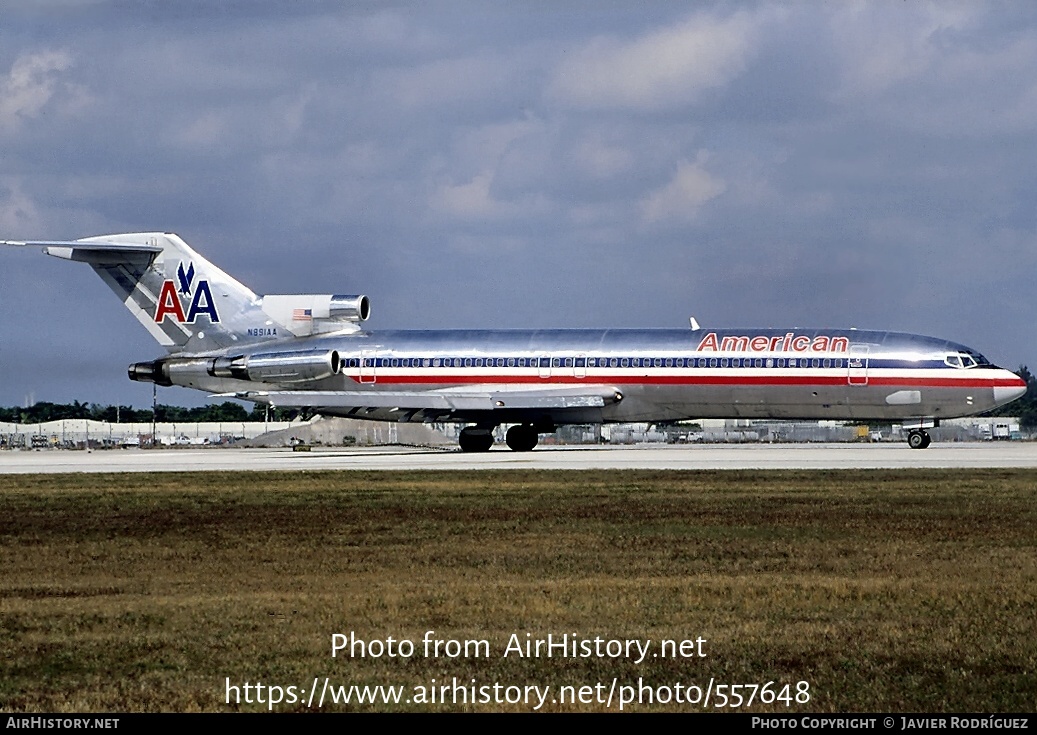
1010	389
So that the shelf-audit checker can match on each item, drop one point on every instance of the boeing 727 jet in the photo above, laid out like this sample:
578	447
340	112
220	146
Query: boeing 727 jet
308	350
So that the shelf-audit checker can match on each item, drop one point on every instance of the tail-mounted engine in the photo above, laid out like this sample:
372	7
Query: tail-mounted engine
266	367
304	314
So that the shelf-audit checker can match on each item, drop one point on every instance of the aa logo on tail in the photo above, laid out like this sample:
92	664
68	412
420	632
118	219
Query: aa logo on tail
169	303
185	277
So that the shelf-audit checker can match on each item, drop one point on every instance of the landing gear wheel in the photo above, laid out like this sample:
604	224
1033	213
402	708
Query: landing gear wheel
475	440
522	438
918	439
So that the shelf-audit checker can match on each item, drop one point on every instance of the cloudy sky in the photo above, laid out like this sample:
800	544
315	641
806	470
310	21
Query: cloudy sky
524	164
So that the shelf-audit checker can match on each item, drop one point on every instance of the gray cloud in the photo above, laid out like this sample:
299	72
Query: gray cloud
665	68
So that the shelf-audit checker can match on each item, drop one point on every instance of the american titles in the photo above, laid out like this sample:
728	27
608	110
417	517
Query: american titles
788	342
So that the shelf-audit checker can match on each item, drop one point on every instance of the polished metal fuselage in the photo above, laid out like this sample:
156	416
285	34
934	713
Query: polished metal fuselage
662	375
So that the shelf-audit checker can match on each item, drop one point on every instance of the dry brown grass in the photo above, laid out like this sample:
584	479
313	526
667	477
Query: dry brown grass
885	590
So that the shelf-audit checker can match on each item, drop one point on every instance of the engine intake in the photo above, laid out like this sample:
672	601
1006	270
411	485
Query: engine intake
279	367
349	308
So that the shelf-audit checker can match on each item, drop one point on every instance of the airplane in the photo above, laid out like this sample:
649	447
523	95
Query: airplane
310	351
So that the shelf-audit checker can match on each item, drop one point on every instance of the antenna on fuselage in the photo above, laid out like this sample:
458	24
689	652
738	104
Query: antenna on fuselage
694	324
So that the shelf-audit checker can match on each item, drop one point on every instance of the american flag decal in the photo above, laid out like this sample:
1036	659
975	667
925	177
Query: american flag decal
302	315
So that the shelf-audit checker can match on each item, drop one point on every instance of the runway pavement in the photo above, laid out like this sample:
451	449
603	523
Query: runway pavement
654	457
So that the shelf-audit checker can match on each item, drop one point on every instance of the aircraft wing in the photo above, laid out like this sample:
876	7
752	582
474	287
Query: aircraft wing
468	398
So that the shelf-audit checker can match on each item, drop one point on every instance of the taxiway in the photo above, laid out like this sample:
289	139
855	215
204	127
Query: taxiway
651	457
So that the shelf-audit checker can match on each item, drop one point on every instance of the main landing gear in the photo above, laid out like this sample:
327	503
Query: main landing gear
918	439
520	438
475	439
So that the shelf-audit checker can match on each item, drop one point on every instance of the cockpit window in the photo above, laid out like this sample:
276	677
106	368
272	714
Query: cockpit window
966	360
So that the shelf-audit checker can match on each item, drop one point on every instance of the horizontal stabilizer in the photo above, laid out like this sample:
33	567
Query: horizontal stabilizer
80	250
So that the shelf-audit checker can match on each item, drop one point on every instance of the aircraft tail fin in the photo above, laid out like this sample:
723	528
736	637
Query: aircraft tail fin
183	300
190	305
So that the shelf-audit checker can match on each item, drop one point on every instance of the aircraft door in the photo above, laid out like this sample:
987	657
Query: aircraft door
857	365
545	366
367	367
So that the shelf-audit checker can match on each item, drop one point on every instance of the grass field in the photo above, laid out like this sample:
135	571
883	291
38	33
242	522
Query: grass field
884	590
